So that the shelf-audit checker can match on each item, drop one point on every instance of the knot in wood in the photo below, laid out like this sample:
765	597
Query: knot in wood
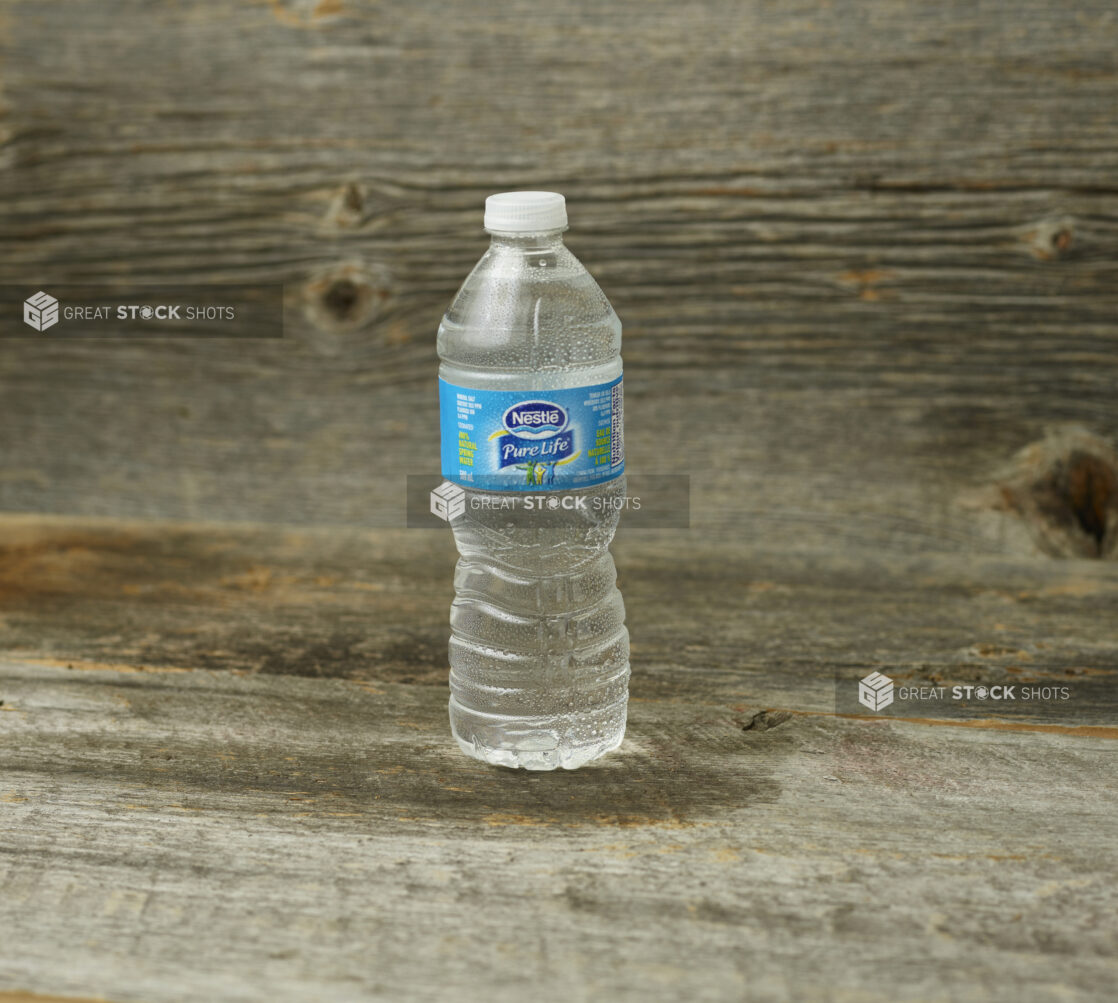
1050	239
347	297
1065	487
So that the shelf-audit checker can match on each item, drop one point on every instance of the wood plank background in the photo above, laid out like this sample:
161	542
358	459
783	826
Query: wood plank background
863	255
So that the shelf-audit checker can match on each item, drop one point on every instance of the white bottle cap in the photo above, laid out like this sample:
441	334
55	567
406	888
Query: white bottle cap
526	212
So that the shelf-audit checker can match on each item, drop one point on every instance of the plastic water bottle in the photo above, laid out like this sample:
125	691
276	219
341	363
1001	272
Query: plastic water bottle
530	397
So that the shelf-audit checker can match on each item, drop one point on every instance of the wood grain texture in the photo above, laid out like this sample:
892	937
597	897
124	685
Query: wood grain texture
869	255
18	996
223	837
734	619
209	836
227	774
867	261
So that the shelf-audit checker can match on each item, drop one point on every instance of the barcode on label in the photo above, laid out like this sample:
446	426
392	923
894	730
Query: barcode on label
617	422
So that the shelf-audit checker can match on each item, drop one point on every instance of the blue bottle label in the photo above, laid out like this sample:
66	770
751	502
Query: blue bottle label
547	440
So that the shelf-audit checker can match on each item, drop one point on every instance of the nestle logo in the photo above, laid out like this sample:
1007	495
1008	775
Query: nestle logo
535	419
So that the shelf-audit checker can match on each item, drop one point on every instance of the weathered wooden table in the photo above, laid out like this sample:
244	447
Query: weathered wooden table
227	774
867	261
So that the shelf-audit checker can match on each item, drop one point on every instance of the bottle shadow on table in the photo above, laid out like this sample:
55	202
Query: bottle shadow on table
334	757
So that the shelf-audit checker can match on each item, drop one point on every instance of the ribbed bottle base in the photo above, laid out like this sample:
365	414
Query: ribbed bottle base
545	743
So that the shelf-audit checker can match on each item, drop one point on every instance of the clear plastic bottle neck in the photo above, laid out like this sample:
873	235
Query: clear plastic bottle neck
534	241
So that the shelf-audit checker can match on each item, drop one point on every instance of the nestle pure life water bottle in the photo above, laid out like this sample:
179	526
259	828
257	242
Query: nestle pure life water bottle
531	414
